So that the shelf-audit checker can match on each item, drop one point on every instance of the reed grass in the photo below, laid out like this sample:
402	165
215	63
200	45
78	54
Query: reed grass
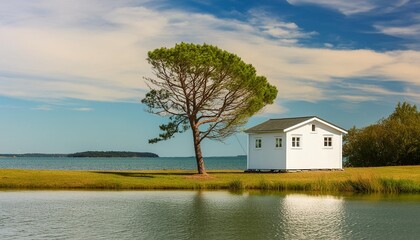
404	179
235	185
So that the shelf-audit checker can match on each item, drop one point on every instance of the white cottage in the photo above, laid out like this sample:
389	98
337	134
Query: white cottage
302	143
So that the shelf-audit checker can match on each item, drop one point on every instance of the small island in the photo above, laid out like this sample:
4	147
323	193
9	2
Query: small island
90	154
113	154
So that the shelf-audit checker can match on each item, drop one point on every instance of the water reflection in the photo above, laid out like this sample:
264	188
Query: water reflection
201	215
318	216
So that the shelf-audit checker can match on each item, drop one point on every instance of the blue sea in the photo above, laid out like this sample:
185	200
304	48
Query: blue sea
65	163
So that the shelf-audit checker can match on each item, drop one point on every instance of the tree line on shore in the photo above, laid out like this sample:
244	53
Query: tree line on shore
392	141
106	154
112	154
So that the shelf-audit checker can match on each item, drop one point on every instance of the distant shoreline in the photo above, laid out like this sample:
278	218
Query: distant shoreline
91	154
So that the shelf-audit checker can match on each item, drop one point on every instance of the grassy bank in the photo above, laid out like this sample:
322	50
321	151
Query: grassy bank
370	180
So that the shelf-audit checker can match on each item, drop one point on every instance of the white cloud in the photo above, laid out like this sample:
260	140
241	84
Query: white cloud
407	26
269	25
67	60
275	108
344	6
43	108
357	98
410	31
375	91
308	74
82	109
55	56
347	7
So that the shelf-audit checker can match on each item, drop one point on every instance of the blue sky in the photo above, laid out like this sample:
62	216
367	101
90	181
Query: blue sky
71	72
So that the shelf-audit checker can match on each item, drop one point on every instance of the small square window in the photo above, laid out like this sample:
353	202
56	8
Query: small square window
327	141
279	142
258	143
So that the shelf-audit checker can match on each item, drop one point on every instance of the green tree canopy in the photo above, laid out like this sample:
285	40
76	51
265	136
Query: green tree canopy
392	141
205	89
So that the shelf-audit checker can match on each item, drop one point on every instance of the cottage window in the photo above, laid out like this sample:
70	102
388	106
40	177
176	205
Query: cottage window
313	128
327	141
279	142
296	142
258	143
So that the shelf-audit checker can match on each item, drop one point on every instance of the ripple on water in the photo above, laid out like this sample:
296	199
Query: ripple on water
200	215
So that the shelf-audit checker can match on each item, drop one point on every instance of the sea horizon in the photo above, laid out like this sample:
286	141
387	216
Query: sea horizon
122	163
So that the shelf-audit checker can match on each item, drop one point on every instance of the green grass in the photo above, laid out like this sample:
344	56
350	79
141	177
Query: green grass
404	179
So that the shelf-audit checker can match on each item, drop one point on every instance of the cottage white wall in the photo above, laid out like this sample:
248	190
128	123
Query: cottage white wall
312	154
268	156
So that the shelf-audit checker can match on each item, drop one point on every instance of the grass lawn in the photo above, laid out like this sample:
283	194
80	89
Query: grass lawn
377	179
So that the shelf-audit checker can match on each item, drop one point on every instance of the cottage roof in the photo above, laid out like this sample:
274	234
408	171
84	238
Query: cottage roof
282	124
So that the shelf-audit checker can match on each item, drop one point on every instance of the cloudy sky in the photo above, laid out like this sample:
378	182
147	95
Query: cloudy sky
71	72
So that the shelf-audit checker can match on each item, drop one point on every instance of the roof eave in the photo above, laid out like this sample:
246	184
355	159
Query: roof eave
264	131
319	120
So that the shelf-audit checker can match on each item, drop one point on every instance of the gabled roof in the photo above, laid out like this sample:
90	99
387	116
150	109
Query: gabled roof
286	124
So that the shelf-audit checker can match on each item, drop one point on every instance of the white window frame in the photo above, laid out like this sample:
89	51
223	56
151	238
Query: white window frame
275	142
328	139
296	141
256	145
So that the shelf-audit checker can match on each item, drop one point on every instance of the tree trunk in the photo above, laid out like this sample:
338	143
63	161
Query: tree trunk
197	149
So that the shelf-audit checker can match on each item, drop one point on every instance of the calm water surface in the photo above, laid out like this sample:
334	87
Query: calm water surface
203	215
65	163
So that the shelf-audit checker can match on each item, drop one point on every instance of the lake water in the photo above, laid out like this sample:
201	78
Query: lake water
204	215
194	215
231	163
